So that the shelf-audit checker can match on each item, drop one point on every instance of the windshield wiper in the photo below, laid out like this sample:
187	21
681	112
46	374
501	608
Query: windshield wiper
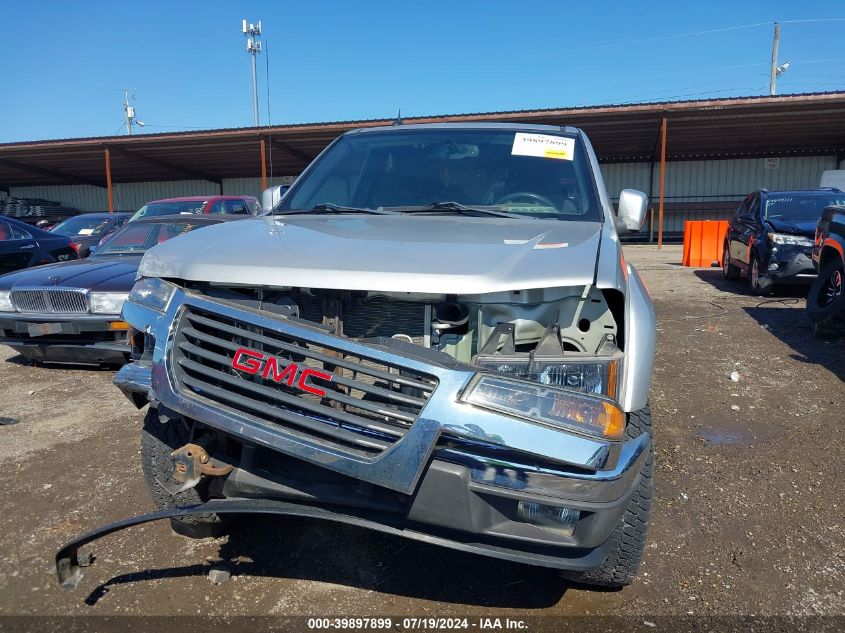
328	207
457	207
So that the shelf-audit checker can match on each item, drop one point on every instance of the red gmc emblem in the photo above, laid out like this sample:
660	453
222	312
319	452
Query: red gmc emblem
269	367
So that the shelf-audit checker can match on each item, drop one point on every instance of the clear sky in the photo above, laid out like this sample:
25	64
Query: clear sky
64	64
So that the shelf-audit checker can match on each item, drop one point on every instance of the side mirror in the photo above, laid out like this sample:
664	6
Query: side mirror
271	196
631	211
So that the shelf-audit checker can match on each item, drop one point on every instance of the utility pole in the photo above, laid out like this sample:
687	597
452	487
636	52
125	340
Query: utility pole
253	46
774	73
128	111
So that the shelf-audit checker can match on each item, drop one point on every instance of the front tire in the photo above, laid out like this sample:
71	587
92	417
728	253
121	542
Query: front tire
826	299
159	438
627	542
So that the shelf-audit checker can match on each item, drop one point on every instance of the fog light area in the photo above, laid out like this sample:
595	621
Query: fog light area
553	518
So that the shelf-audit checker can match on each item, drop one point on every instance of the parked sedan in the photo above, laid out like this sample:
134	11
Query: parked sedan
70	312
232	205
771	237
22	246
89	229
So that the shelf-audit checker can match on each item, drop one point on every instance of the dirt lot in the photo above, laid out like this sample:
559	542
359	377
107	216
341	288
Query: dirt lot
747	516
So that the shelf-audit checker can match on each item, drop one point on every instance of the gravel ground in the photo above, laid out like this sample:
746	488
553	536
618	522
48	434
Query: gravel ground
747	514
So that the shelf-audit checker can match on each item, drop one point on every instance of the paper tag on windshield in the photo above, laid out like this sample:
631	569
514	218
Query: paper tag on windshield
543	146
85	231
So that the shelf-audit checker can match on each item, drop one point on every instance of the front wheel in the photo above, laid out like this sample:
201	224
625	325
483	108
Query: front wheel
826	299
627	542
159	438
759	285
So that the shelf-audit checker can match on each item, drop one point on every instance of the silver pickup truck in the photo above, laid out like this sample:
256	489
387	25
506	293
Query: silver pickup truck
433	334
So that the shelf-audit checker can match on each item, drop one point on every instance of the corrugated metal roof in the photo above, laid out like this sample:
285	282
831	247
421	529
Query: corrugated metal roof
800	124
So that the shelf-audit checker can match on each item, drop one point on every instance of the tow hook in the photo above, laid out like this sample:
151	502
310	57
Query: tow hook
190	463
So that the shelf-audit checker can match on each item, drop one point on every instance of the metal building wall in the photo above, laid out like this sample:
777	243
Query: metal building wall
730	179
131	196
686	181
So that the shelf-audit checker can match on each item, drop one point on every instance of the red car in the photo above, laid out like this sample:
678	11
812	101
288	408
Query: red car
231	205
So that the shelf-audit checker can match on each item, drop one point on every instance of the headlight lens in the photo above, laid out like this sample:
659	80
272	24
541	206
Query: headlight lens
549	405
107	302
597	376
6	301
793	240
152	292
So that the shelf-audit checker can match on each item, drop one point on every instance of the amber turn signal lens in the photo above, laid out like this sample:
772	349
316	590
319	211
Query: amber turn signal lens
118	325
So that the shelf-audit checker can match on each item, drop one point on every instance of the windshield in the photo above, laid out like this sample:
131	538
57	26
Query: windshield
137	237
537	175
169	208
807	208
81	226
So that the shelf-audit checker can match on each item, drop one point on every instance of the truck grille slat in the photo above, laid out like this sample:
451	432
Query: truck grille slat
276	394
294	348
50	300
237	402
387	394
367	405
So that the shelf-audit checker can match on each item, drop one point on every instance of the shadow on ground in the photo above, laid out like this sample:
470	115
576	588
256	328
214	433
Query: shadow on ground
19	359
792	326
782	314
306	549
713	276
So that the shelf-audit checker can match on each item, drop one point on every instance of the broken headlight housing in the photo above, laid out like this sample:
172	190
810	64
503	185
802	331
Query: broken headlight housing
593	376
548	405
548	384
549	364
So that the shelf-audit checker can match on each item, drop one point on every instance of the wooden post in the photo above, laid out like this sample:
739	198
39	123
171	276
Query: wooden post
662	182
263	166
108	180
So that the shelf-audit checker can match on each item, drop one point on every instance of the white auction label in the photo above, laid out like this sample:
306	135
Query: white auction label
543	146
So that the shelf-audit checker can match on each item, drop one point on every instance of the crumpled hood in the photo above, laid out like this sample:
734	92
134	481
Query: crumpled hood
404	253
794	227
106	274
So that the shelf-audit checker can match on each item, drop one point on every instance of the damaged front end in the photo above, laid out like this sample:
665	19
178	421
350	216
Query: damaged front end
490	423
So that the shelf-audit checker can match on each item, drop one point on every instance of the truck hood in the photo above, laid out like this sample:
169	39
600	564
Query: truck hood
405	253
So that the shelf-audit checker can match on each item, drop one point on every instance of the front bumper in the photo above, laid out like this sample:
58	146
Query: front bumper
79	338
458	468
791	265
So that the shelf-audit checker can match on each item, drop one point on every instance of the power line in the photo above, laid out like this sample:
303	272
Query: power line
812	20
681	35
724	29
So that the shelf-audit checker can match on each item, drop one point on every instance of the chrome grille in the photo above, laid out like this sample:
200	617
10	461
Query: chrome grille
367	406
51	300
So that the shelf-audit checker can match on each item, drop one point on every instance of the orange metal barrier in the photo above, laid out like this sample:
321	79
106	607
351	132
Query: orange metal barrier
703	242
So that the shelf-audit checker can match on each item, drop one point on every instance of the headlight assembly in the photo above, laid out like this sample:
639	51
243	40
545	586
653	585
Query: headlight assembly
793	240
548	405
6	301
594	375
152	292
107	302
